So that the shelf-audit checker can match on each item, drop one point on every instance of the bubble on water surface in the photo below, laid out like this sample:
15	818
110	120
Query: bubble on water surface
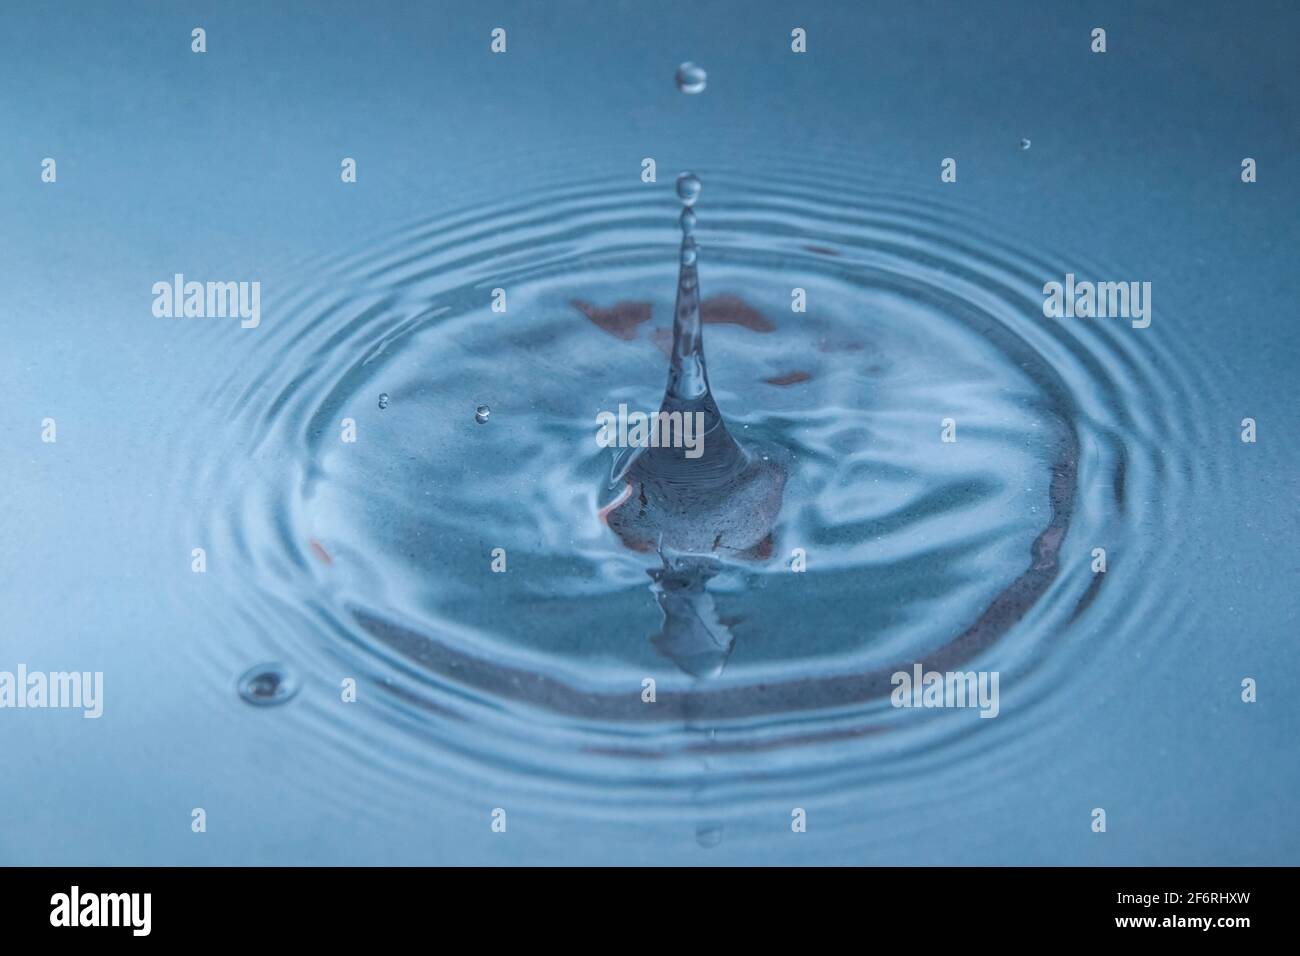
482	414
267	685
691	78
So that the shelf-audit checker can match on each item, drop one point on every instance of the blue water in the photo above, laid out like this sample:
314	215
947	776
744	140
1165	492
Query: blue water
370	560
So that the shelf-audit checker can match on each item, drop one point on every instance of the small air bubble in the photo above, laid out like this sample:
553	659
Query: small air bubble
267	684
383	400
691	78
482	414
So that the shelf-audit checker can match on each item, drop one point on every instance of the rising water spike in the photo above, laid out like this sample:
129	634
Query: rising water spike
724	501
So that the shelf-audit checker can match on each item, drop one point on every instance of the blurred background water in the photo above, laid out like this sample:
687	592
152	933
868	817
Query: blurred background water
371	560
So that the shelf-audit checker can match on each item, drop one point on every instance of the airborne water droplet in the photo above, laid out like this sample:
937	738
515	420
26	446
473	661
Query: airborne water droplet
1024	144
267	684
383	400
481	414
688	190
691	78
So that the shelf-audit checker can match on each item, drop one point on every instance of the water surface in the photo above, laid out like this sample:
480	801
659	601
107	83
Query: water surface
371	560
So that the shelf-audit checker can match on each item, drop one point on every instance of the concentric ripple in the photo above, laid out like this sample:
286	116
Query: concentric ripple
374	558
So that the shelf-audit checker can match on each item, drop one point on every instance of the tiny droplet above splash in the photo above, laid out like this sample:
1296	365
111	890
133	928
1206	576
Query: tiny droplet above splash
1024	144
482	414
688	190
267	685
383	400
691	78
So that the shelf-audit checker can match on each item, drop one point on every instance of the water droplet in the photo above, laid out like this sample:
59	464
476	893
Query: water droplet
689	254
267	685
691	78
688	188
383	399
481	414
688	222
1024	144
